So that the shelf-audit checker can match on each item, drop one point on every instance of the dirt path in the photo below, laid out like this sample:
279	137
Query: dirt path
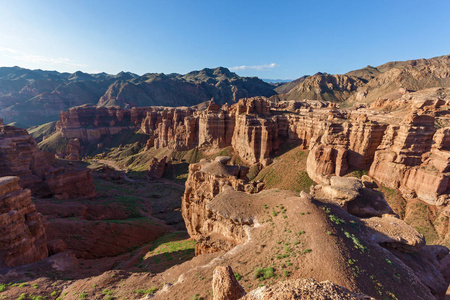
111	164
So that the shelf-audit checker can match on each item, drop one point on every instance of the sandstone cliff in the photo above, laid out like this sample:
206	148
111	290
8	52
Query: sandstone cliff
206	180
400	141
23	238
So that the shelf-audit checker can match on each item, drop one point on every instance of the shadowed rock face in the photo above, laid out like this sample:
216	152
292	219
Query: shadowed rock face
20	156
157	168
23	238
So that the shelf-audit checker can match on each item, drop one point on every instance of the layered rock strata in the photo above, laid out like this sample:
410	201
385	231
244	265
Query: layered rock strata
407	148
214	231
23	238
20	156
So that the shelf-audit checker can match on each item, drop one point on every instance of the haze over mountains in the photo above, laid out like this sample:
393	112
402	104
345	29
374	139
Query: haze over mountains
33	97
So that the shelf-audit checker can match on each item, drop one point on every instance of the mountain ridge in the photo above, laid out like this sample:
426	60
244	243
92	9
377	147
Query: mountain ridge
34	97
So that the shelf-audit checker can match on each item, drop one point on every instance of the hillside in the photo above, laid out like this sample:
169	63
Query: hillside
370	83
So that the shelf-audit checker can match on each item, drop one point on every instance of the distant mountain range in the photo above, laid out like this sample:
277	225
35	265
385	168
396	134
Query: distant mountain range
369	83
34	97
275	81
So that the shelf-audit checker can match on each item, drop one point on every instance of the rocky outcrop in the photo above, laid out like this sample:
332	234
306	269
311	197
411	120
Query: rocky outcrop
20	156
371	83
411	159
225	285
353	196
212	230
406	149
412	75
324	87
67	183
157	167
89	123
23	238
74	149
304	289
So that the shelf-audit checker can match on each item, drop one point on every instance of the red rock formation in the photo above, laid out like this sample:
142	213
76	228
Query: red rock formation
20	156
213	232
73	151
89	123
398	154
65	184
225	285
157	167
22	234
405	159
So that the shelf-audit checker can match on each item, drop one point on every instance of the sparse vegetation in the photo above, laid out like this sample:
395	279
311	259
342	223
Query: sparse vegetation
359	173
307	250
23	296
237	276
149	291
264	273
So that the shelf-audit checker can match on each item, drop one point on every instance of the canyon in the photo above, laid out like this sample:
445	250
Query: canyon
336	187
399	147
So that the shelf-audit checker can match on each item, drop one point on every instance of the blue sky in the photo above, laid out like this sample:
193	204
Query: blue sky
268	39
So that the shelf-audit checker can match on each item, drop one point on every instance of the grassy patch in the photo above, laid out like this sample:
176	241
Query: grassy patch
149	291
288	171
264	273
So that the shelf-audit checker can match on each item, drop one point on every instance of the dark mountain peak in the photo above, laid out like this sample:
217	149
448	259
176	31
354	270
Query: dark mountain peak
125	75
78	76
224	71
207	74
321	74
